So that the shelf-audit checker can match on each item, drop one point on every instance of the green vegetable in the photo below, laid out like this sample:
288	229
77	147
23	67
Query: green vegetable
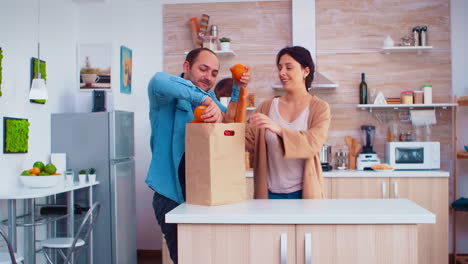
26	173
39	164
50	168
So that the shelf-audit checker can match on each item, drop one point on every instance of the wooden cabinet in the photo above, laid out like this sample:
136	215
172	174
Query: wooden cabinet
356	244
430	193
359	188
277	244
234	244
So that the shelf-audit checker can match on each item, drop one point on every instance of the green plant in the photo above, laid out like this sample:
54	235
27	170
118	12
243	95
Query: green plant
92	171
1	76
224	39
87	69
16	135
82	172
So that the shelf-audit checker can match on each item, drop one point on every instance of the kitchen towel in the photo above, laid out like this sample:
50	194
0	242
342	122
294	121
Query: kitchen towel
423	117
215	163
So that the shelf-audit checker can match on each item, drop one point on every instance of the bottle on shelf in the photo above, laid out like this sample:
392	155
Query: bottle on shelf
363	90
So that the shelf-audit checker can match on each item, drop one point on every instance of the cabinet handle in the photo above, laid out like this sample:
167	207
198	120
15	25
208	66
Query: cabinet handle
308	248
284	248
395	189
384	190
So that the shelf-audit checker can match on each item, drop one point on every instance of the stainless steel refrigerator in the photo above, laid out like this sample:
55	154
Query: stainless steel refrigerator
104	141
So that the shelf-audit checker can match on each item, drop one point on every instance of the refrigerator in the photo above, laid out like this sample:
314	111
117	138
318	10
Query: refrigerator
104	141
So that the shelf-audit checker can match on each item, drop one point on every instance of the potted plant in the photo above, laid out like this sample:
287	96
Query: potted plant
89	75
92	175
82	176
225	43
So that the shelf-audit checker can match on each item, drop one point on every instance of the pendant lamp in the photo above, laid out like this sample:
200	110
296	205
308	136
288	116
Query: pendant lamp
38	88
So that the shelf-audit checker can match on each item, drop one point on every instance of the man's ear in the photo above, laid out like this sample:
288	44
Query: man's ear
186	66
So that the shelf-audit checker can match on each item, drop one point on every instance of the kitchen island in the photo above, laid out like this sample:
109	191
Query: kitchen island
300	231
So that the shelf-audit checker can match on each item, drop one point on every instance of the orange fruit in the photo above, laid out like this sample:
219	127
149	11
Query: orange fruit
198	112
35	170
237	71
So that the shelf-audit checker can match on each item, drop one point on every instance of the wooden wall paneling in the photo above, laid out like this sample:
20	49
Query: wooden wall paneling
344	25
252	26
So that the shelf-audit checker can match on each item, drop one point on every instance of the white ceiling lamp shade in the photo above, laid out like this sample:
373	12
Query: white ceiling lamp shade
38	89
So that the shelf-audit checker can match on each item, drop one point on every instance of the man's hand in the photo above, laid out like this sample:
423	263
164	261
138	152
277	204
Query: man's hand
212	114
245	79
258	120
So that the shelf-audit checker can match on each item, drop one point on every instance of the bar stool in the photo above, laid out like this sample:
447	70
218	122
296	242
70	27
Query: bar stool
10	257
67	246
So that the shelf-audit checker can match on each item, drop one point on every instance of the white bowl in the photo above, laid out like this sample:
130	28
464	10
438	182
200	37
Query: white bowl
41	181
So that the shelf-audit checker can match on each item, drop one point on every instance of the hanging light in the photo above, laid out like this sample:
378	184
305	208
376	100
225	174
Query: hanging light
38	88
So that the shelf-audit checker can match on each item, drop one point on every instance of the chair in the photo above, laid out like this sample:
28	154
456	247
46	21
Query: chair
10	257
67	246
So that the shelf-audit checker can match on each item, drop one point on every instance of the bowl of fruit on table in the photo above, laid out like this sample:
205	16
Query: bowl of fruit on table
41	176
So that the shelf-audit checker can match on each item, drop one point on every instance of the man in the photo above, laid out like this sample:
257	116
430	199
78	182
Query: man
172	101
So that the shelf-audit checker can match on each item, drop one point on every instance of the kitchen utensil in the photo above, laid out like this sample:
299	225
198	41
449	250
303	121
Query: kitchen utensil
341	160
325	157
367	136
352	155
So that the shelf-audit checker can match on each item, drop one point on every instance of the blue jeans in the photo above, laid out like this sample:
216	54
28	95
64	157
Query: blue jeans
293	195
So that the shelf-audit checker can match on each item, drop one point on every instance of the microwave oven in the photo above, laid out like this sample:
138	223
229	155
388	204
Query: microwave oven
413	155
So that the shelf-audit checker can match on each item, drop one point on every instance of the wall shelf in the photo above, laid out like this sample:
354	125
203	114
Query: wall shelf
399	49
462	155
404	106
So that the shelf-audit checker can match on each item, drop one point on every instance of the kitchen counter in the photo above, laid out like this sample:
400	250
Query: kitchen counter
353	231
395	173
313	211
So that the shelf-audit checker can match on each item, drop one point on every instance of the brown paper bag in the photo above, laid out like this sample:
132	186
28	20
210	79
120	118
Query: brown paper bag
215	163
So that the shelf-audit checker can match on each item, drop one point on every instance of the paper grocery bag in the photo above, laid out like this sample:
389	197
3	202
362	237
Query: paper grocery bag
215	163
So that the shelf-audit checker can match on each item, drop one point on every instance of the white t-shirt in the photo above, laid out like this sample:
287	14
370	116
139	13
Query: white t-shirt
284	175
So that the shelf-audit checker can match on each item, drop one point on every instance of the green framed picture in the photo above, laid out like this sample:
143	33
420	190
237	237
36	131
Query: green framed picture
15	135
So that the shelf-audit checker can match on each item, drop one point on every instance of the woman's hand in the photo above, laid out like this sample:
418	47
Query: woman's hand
245	79
258	120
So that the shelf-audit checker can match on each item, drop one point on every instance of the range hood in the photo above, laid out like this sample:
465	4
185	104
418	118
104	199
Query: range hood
303	34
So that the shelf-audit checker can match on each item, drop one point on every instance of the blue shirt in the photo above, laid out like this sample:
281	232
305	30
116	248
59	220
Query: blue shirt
172	100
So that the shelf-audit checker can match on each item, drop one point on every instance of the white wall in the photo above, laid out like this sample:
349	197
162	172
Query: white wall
459	35
19	36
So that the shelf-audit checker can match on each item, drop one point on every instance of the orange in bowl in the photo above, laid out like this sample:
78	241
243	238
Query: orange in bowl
237	71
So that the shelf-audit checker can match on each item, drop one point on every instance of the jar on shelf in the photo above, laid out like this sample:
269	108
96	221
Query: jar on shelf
418	96
341	160
407	97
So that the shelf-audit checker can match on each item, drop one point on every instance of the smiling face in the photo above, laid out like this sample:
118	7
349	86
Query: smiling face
291	73
204	70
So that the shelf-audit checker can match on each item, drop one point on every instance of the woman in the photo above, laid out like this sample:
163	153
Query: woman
287	132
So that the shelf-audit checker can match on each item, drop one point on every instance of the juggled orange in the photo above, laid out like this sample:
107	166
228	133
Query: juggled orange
199	112
237	71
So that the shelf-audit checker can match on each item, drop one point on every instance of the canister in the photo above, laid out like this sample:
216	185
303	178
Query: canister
407	97
427	88
418	96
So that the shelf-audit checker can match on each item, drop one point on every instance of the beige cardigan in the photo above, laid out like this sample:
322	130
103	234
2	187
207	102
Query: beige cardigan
294	144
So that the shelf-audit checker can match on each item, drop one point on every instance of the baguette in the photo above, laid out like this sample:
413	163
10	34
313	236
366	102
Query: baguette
230	115
241	111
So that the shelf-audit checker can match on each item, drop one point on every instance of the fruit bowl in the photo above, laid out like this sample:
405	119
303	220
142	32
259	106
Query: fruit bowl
41	181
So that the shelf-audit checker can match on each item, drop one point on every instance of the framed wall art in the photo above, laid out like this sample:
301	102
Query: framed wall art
125	70
95	66
15	135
